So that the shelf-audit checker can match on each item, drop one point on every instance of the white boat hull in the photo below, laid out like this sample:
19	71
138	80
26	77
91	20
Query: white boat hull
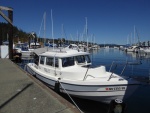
26	53
147	50
97	91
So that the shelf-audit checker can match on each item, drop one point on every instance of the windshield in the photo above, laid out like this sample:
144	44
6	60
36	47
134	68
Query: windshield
68	61
83	59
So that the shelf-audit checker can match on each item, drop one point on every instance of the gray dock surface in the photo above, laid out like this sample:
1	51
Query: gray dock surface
22	93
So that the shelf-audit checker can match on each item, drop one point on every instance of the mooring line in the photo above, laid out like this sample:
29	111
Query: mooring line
71	98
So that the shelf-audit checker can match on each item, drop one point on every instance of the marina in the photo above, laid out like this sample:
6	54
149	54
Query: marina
90	71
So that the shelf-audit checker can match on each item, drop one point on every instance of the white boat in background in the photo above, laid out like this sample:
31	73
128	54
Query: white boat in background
139	49
95	47
131	49
23	48
34	45
74	46
147	50
71	71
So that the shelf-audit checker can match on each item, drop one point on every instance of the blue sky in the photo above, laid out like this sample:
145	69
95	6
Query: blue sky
109	21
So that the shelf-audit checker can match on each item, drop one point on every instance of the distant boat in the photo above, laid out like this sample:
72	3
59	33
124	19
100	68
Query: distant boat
34	45
24	49
131	49
147	50
70	71
74	46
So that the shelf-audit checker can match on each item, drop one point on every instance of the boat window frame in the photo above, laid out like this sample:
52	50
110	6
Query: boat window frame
51	62
54	63
68	61
42	62
84	59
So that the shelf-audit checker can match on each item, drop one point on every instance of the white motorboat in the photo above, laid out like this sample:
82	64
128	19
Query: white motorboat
70	71
147	50
74	46
131	49
34	45
23	49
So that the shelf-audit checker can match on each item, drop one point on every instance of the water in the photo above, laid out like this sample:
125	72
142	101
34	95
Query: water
138	66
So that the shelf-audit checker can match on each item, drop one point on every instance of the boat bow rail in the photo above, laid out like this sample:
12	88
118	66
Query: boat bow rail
115	64
92	72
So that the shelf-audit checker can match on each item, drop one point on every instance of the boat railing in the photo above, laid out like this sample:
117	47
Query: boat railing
116	63
87	76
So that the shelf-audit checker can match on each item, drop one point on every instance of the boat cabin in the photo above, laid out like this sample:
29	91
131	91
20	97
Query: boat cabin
63	59
70	64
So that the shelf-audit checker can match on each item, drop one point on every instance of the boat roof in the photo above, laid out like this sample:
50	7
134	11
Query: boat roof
63	53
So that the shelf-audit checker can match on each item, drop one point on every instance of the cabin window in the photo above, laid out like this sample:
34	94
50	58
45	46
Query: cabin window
68	61
82	59
42	60
49	61
87	58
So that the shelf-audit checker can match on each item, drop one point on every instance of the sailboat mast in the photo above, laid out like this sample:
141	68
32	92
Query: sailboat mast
134	35
86	30
44	27
40	26
52	28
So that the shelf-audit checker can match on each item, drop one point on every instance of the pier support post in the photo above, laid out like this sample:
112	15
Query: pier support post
10	15
9	19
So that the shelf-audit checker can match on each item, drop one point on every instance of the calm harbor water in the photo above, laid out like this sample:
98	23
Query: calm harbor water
138	65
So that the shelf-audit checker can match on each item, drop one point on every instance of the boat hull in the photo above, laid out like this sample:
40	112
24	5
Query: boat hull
97	92
26	53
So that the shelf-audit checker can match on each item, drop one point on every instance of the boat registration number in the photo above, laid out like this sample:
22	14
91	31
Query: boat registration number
115	88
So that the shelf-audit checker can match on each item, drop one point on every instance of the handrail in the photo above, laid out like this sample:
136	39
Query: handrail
127	63
86	73
112	73
111	65
124	68
87	76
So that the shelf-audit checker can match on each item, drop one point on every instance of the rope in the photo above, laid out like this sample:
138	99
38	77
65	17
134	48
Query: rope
71	98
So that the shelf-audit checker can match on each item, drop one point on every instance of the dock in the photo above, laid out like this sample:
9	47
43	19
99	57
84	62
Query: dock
22	93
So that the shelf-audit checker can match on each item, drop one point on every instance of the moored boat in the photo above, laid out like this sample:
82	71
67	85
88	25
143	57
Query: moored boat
73	71
23	49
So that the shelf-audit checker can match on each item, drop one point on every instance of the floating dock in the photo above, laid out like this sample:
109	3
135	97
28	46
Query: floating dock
22	93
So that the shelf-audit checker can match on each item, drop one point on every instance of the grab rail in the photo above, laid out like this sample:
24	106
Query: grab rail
112	73
126	63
